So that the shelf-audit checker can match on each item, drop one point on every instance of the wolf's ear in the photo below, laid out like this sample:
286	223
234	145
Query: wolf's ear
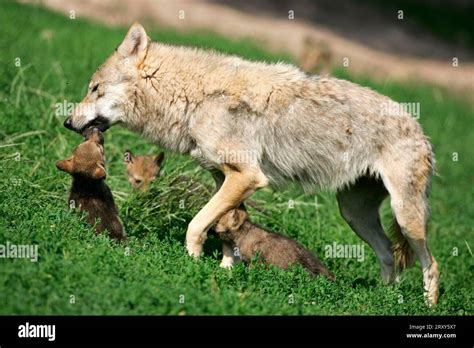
99	172
65	165
135	42
128	157
159	158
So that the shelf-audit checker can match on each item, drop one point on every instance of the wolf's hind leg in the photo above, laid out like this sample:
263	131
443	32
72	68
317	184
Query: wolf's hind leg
359	206
411	213
407	183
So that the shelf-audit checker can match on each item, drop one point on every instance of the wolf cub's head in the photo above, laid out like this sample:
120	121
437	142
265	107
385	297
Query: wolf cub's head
113	86
230	223
88	158
142	170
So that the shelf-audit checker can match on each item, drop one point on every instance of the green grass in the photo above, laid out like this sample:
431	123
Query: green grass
152	275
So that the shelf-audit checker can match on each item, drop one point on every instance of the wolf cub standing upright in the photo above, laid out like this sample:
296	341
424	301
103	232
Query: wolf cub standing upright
234	227
88	191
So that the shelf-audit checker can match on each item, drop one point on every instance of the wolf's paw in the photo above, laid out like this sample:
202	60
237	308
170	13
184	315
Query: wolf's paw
227	264
431	298
194	245
194	250
431	284
389	276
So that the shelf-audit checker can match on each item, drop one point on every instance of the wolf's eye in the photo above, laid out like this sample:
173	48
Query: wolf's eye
94	89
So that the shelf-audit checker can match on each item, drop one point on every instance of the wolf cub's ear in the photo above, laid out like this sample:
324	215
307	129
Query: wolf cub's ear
99	172
65	165
159	158
238	217
128	157
135	42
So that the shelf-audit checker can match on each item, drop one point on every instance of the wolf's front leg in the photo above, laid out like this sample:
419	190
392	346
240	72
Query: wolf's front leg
228	257
239	184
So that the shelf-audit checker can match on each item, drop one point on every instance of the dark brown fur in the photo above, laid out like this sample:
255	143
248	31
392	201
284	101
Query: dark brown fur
95	197
89	192
275	249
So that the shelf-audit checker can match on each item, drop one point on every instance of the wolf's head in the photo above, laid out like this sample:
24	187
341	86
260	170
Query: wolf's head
112	87
230	223
88	159
142	170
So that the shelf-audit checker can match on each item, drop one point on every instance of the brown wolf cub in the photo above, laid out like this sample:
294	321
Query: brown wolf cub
142	170
235	228
88	191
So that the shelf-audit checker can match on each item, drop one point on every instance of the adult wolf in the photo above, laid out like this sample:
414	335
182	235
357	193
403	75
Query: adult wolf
253	124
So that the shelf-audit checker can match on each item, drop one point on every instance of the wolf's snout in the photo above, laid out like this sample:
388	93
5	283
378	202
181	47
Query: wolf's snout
68	124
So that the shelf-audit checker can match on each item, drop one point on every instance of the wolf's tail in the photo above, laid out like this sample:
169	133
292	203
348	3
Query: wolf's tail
402	252
314	266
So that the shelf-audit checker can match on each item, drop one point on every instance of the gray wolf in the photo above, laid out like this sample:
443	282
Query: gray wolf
247	239
253	124
89	192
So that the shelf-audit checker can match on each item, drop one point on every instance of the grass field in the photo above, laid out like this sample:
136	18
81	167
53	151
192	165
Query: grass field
80	273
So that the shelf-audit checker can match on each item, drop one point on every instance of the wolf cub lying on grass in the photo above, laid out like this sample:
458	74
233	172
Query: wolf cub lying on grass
88	191
249	239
